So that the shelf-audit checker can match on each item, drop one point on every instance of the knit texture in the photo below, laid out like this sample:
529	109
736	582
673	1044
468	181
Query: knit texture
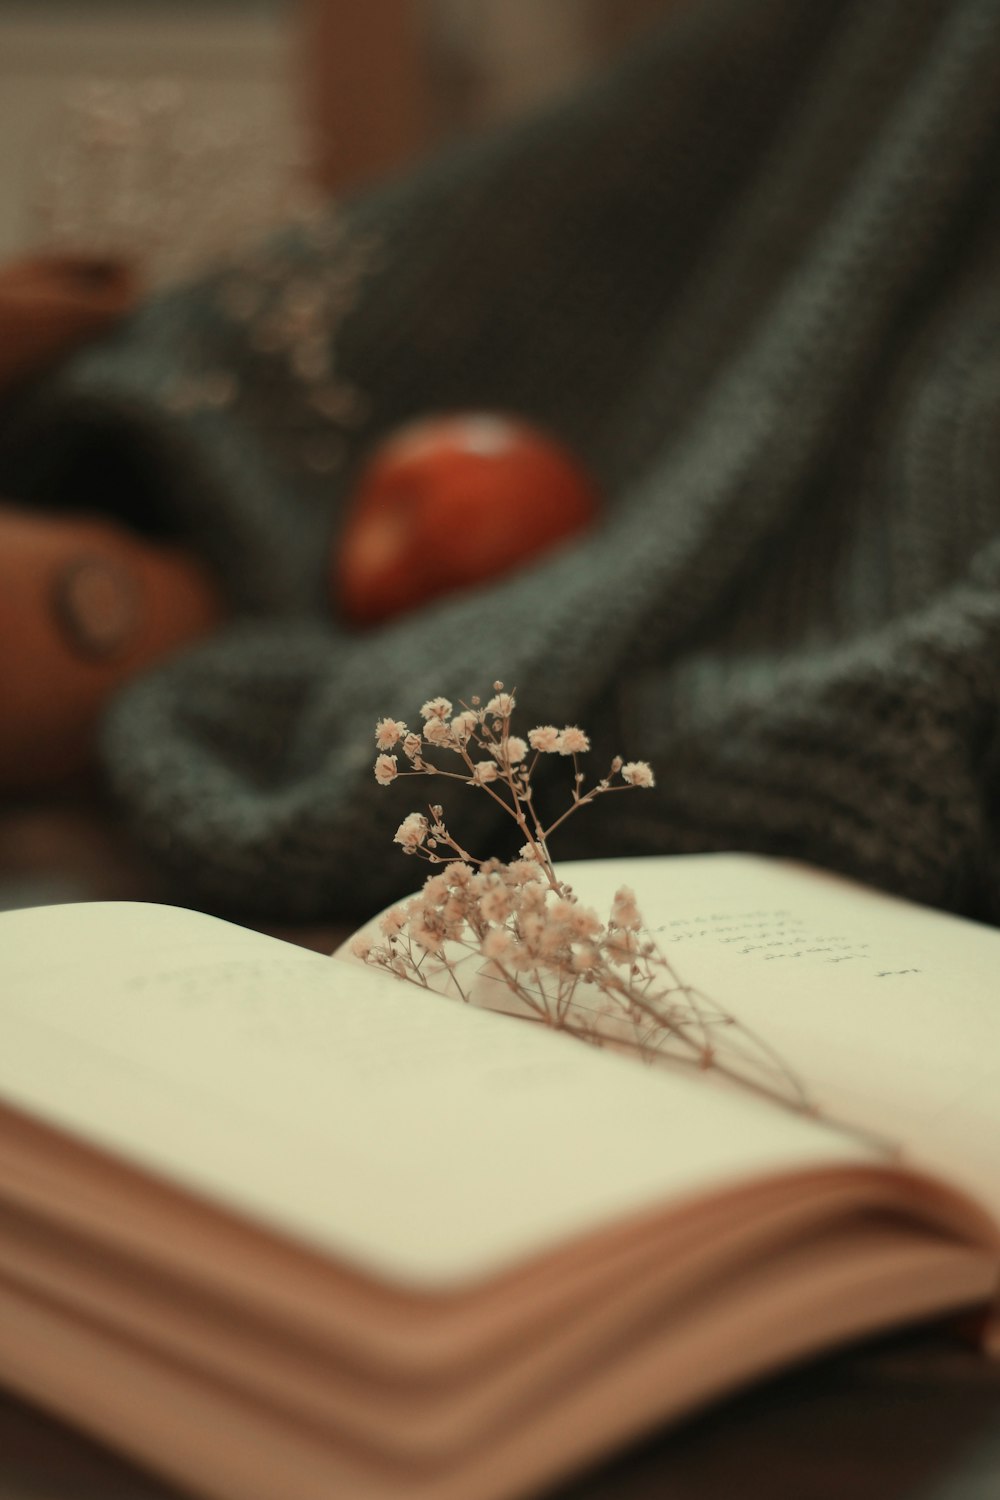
753	278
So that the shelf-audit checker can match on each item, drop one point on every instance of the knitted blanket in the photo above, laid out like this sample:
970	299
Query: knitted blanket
753	279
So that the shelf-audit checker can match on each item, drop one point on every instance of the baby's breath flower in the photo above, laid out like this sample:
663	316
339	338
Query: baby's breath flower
361	945
464	724
453	911
583	921
435	889
425	934
411	832
510	750
386	769
544	738
573	741
497	943
388	732
624	911
621	946
585	958
543	943
393	921
437	732
436	708
637	773
494	904
533	893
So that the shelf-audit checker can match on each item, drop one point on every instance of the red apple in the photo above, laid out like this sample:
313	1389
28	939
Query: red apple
450	501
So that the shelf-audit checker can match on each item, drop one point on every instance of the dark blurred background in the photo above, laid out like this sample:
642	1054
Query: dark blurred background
355	89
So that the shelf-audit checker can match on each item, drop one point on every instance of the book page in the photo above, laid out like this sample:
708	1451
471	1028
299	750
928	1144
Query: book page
890	1013
418	1139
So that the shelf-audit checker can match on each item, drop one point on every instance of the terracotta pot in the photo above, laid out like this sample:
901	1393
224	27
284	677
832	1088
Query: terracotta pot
84	606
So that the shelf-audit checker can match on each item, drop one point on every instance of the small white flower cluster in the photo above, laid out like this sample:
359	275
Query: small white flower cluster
412	832
508	914
520	918
493	759
549	740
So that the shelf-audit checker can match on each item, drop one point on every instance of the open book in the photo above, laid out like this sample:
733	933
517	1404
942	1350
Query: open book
280	1225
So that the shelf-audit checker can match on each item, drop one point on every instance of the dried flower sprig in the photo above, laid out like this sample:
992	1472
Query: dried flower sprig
479	923
496	762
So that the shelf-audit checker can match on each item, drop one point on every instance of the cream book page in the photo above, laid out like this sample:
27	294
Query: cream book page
417	1139
889	1013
